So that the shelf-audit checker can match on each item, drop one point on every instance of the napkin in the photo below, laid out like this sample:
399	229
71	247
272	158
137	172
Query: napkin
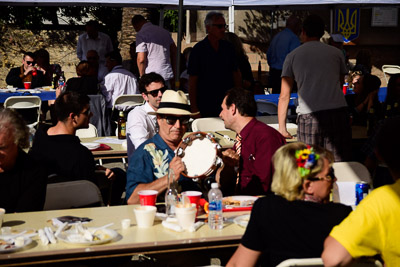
172	226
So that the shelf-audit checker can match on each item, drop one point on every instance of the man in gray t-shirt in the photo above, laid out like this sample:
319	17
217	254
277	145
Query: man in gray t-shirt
318	70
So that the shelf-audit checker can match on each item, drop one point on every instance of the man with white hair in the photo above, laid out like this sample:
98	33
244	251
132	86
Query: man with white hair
212	68
149	165
22	181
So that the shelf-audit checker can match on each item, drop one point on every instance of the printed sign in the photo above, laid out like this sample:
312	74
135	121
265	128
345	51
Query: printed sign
347	22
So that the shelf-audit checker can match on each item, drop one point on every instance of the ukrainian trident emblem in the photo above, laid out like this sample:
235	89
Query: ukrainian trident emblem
348	23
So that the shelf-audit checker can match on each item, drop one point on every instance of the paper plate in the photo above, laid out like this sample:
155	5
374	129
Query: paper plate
238	201
71	237
8	246
242	220
91	146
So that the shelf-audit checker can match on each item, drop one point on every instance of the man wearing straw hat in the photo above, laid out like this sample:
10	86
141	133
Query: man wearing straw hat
149	165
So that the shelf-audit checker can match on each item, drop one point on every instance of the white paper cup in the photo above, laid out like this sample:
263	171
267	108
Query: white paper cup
125	223
186	215
145	215
2	211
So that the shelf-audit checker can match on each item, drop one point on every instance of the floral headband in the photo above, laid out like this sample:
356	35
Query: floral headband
306	160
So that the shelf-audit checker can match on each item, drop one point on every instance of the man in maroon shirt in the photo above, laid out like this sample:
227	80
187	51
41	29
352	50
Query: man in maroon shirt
251	157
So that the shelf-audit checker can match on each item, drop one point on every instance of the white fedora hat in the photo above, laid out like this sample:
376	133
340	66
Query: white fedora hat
174	103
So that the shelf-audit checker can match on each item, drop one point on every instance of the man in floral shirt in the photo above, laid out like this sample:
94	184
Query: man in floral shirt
149	165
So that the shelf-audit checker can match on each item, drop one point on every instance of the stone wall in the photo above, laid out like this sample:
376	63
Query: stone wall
60	44
250	25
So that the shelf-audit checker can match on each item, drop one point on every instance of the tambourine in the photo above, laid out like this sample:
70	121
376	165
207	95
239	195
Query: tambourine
199	153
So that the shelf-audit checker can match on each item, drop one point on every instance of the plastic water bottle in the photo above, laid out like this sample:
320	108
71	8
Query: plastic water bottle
61	82
215	219
171	195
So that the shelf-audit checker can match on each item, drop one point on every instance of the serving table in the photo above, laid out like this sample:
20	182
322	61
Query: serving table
131	241
44	95
117	150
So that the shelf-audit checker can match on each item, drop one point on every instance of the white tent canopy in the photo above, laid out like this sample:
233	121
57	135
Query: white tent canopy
242	4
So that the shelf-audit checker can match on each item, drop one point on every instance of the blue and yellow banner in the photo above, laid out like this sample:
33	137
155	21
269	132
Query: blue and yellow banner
347	22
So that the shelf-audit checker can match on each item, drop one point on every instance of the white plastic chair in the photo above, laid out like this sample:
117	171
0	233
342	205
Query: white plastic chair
74	194
291	127
208	124
367	262
268	119
87	133
266	107
126	102
301	262
347	175
351	172
25	102
390	69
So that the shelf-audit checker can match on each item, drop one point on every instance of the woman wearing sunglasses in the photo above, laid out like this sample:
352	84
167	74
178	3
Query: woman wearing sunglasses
293	222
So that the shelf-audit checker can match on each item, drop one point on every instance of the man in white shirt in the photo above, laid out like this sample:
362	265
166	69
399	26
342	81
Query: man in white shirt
156	51
118	81
140	125
93	40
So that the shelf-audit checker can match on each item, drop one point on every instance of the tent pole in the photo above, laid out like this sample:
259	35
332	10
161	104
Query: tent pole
161	23
231	11
179	45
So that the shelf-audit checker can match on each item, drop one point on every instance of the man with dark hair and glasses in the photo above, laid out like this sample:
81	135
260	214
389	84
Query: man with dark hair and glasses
149	165
28	72
61	151
212	68
142	126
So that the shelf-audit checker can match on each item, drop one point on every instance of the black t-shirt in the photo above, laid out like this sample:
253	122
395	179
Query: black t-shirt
63	155
283	229
23	188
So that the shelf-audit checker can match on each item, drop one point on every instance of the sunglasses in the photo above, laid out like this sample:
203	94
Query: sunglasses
86	112
30	62
330	177
154	93
220	26
171	120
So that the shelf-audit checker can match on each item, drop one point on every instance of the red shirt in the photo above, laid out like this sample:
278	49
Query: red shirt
259	143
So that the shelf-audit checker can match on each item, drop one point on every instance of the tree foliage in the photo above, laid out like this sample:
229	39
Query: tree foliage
44	17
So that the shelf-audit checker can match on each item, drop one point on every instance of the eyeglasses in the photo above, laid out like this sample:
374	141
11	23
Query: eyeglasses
86	112
154	93
220	26
330	177
30	62
171	120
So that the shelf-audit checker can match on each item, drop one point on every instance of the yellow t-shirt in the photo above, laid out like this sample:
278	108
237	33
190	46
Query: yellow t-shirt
374	226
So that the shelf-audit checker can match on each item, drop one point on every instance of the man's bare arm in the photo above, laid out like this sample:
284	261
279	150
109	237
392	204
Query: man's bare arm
142	62
335	254
283	104
160	184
